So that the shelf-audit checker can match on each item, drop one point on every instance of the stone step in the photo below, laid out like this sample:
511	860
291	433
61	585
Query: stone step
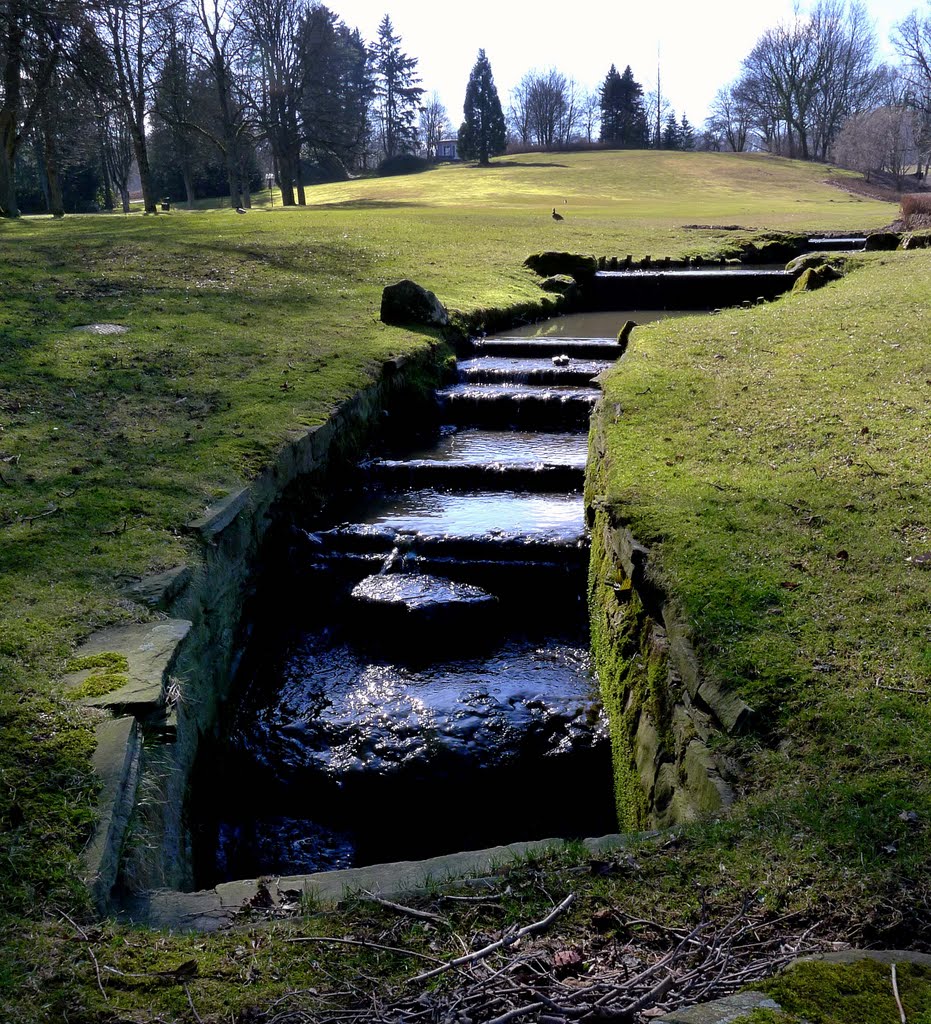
518	404
850	244
494	476
568	372
475	446
687	289
545	348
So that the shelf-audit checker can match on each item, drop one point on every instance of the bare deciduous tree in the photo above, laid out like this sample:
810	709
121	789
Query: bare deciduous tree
35	37
131	31
219	49
731	118
273	28
434	124
545	109
805	77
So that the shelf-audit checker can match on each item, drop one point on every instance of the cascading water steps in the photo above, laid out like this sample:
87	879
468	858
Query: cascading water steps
432	691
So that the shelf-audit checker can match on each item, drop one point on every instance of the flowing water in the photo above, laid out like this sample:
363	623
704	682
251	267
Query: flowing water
417	680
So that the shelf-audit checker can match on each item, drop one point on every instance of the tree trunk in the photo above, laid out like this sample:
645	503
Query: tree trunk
233	183
56	203
124	198
8	206
287	179
142	162
105	171
188	178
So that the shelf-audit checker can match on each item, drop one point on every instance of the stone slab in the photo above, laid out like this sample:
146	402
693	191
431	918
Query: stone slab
706	788
161	588
116	763
883	956
721	1011
732	712
212	909
219	515
150	648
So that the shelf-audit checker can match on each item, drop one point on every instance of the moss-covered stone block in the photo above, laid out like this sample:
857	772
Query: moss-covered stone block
706	789
571	264
816	277
561	284
776	247
882	241
917	240
646	752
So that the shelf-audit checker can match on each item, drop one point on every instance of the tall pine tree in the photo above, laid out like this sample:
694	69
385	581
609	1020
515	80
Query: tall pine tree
623	117
396	90
483	133
671	136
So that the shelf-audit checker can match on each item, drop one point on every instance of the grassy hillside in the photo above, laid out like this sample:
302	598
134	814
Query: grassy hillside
242	327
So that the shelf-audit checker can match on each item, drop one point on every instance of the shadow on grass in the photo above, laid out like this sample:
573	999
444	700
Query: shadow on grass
524	163
367	204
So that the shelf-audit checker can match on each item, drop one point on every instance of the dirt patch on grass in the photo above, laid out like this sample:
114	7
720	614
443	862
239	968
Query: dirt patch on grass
882	188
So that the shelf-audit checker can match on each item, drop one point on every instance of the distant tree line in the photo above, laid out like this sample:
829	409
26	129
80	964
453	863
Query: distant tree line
814	88
193	96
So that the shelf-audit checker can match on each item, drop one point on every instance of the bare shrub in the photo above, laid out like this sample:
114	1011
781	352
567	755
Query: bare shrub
915	204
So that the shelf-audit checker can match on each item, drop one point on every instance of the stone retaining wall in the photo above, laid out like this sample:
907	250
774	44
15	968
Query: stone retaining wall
667	716
165	680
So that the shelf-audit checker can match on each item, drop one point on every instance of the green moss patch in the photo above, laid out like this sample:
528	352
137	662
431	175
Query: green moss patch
108	672
857	993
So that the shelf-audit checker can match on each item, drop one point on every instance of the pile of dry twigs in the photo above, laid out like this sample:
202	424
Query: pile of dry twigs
634	971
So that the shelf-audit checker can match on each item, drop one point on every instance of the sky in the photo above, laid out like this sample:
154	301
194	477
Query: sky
701	42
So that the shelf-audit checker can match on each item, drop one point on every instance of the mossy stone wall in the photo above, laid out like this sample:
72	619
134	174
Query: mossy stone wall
666	717
156	851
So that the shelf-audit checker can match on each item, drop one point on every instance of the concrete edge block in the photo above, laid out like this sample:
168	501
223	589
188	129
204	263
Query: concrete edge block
151	650
116	764
212	909
219	515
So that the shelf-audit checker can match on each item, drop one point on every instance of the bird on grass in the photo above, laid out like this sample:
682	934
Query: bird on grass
239	209
557	216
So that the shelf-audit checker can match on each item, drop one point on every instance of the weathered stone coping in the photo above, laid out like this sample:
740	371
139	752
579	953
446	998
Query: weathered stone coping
150	650
221	907
116	763
731	712
671	741
668	716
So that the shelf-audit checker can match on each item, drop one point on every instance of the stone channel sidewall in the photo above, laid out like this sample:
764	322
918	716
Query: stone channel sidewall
156	850
667	718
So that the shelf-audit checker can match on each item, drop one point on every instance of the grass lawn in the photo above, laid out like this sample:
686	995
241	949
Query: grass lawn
773	440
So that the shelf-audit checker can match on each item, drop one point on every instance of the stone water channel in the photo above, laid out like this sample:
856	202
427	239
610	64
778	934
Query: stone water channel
429	689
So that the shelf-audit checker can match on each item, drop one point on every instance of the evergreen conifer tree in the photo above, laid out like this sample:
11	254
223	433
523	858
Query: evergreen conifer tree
483	133
671	137
611	107
686	134
623	117
396	91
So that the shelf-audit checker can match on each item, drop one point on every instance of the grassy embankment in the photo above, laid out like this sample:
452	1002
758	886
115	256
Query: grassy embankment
243	327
